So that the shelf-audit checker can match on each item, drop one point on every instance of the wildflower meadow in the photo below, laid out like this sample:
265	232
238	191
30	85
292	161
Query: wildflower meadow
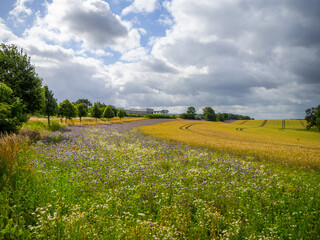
113	182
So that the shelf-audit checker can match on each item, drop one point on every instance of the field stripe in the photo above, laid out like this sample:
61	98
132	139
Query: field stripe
263	123
302	123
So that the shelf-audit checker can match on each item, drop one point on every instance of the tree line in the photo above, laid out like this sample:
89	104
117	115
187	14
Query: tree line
22	95
210	115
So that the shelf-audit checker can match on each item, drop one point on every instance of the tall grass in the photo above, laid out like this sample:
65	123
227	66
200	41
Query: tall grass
10	146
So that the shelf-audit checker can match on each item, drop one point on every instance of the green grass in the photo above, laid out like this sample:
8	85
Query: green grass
97	183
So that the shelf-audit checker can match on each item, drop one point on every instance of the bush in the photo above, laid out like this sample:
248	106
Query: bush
187	116
32	135
55	126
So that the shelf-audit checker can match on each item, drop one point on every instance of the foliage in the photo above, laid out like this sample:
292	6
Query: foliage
209	114
11	110
191	111
96	111
19	74
186	116
86	103
82	110
108	112
230	116
160	116
313	117
190	114
51	106
67	109
121	113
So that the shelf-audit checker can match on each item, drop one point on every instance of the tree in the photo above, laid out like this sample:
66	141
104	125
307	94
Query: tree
67	109
313	117
82	111
108	113
11	110
209	114
191	111
121	113
51	105
86	103
190	114
19	74
95	111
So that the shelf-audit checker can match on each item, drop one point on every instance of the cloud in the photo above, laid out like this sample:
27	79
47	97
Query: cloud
5	33
140	6
258	58
70	76
20	10
90	22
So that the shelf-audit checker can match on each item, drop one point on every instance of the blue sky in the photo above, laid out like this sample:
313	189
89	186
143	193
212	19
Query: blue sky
257	58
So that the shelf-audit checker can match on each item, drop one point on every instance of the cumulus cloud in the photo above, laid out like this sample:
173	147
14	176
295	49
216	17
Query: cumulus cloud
258	58
20	10
140	6
90	21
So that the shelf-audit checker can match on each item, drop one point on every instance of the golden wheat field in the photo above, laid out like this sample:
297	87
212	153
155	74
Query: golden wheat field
281	141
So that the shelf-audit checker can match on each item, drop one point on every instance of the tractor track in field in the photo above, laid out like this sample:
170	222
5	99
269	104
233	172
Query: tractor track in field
302	124
187	126
261	125
283	126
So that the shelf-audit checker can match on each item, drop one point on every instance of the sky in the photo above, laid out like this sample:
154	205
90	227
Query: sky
251	57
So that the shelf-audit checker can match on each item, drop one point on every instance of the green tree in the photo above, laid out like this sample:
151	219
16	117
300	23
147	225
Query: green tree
51	106
190	114
85	102
96	111
209	114
82	110
11	110
313	117
191	111
121	113
108	112
67	109
19	74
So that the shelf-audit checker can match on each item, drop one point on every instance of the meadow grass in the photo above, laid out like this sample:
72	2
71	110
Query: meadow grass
84	120
289	146
111	183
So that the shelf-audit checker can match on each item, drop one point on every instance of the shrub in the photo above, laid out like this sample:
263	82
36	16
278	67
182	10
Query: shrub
32	135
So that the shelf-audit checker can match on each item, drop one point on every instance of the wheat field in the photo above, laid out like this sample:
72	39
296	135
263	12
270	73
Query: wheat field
281	141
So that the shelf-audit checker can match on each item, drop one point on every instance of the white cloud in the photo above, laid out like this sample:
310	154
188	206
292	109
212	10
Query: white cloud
5	33
140	6
20	10
246	57
89	22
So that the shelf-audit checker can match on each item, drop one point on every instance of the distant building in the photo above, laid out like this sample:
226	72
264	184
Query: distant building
164	111
139	111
